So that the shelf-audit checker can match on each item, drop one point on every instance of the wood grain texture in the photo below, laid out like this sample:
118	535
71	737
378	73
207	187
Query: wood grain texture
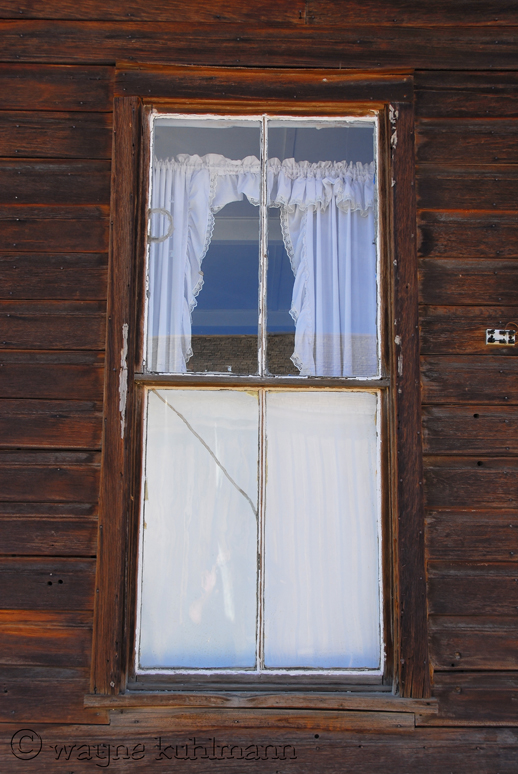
54	182
78	276
482	94
51	375
49	476
369	46
478	642
108	615
55	135
450	330
47	583
469	379
51	537
50	424
464	281
470	429
467	141
468	235
472	589
471	482
45	695
242	83
414	677
43	638
31	231
475	534
477	187
54	87
52	325
479	699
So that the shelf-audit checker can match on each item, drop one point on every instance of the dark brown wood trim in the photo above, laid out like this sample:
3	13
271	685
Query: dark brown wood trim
414	668
110	583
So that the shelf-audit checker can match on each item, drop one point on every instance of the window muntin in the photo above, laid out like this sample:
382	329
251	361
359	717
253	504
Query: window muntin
350	641
311	224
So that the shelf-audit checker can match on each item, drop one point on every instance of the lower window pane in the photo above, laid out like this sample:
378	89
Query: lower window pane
199	552
321	595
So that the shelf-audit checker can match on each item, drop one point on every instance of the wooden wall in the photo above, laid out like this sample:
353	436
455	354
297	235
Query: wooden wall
56	86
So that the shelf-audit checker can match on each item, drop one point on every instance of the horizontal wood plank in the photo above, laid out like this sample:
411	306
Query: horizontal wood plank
41	376
47	276
231	44
475	699
474	188
55	135
50	424
55	87
473	589
49	477
470	429
471	482
43	638
468	235
44	695
465	281
469	379
52	325
47	583
479	642
467	141
26	234
476	535
455	94
449	330
51	182
48	537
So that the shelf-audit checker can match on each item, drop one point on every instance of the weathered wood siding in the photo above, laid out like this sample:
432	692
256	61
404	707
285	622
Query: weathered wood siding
57	75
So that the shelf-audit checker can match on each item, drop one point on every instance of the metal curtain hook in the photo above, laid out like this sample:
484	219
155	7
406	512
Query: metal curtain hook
160	211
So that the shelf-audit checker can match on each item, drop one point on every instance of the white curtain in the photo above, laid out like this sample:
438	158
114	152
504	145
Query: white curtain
328	224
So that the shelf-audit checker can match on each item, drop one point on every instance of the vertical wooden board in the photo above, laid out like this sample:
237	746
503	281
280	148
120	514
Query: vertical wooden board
55	135
48	276
475	534
55	87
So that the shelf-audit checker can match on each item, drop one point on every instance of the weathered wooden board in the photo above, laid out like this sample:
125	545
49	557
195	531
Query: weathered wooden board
481	699
470	429
46	276
44	638
467	95
476	535
468	235
59	135
467	141
47	583
478	642
49	476
36	234
469	379
487	187
50	182
231	44
38	536
52	375
44	695
54	87
471	589
50	424
464	281
471	482
450	330
271	12
52	325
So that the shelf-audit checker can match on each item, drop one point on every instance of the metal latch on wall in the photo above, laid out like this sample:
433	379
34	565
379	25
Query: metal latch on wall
503	337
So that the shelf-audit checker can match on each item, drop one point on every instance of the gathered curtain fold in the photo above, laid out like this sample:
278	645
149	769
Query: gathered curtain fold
328	226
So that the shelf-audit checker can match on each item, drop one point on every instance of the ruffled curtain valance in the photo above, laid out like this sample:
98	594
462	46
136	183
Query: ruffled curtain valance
328	225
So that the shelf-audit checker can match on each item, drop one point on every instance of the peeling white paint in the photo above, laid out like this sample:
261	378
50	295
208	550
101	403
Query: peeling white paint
400	364
397	340
393	116
123	378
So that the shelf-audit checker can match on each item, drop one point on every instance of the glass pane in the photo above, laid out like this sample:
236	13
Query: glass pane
321	596
203	274
199	554
322	258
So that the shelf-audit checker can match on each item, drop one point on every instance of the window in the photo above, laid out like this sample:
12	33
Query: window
263	383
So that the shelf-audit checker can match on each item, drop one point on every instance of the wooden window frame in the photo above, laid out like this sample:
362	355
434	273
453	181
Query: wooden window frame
178	89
